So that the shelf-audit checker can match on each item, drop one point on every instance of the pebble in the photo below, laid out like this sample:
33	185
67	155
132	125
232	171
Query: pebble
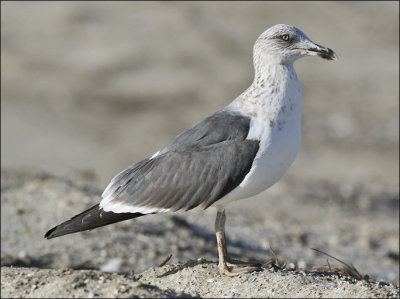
91	294
113	265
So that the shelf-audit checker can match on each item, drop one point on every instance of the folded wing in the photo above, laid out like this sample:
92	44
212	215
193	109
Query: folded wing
197	168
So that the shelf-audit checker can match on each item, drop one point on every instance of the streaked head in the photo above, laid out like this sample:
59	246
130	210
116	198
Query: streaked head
286	43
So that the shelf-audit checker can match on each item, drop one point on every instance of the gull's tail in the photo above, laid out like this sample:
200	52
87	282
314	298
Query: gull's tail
89	219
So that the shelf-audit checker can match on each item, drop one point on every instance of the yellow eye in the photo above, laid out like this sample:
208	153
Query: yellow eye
285	37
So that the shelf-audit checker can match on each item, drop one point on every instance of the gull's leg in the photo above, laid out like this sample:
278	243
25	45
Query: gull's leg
226	265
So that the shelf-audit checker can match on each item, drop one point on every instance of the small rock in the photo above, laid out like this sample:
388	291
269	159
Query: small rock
22	254
113	265
301	264
91	294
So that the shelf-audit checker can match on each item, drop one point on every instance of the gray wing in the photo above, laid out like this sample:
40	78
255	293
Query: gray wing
197	168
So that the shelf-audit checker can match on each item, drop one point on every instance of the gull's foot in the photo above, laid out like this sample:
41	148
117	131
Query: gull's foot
234	267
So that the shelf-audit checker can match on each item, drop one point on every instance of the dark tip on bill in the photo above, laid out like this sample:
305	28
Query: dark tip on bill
328	54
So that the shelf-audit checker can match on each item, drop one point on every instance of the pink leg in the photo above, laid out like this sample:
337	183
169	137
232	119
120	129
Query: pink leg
228	266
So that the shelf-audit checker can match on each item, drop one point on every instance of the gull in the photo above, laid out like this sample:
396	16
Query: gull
235	153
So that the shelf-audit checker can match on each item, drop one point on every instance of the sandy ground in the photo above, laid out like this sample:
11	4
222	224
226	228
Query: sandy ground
170	281
89	88
355	225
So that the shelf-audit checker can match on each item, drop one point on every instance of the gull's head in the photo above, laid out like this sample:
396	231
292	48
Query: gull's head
285	43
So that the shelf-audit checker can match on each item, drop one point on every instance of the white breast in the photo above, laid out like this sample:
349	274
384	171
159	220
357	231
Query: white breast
278	127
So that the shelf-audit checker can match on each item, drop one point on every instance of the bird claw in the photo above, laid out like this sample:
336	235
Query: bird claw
234	267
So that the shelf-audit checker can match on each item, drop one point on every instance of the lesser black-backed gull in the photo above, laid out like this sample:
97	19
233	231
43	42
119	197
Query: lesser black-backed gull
233	154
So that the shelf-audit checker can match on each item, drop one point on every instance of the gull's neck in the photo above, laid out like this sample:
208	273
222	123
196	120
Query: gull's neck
274	90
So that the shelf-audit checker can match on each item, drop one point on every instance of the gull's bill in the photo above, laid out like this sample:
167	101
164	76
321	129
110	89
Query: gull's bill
323	52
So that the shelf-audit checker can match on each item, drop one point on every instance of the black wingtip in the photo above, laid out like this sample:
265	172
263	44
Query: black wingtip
89	219
49	234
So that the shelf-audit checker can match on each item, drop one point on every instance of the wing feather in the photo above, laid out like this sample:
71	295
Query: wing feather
197	168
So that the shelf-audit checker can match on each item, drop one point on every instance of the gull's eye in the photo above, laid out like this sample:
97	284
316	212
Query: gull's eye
285	37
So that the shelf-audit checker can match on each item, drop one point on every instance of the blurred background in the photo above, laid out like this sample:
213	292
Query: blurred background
98	86
102	85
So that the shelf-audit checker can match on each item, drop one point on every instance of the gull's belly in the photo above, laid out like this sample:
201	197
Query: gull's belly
273	160
278	149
